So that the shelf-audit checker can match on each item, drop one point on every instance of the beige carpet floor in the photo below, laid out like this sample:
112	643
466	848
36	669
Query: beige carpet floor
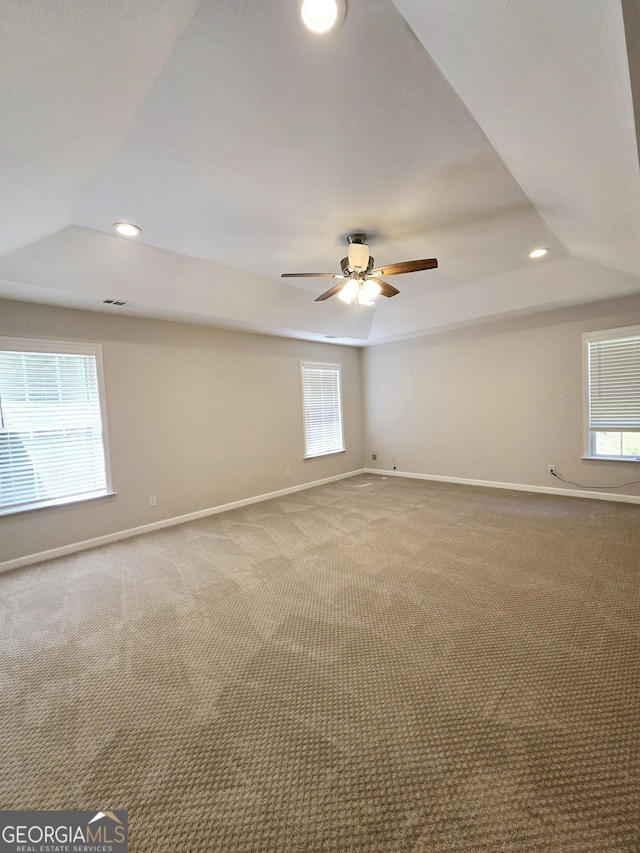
378	664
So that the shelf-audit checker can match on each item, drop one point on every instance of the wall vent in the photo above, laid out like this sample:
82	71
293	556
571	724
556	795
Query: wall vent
117	302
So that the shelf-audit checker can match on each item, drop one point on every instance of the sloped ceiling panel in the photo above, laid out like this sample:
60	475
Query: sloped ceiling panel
73	74
549	84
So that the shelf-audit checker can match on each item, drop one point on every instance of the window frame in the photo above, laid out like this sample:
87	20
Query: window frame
39	345
338	369
589	434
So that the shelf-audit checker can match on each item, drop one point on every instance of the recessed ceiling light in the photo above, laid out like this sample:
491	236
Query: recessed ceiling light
127	229
538	253
320	16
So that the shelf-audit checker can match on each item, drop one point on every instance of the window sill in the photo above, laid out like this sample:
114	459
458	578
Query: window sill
611	458
72	499
326	453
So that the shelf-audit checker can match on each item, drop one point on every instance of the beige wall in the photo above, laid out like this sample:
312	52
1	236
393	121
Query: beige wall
202	417
497	402
198	417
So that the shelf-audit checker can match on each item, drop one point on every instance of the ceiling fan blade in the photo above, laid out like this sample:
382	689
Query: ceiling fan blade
311	275
386	289
406	266
331	292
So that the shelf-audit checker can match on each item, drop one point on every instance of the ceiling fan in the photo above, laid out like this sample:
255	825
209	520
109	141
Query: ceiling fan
359	282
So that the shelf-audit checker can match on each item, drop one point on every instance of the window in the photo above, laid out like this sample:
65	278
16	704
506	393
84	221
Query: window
52	427
612	373
322	409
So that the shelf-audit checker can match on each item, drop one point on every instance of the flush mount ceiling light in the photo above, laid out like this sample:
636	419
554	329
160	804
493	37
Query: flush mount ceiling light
127	229
320	16
538	253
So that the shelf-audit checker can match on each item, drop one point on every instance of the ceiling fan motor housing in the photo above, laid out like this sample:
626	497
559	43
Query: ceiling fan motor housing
358	256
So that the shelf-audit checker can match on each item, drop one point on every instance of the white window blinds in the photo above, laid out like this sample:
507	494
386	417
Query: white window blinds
51	429
322	409
614	382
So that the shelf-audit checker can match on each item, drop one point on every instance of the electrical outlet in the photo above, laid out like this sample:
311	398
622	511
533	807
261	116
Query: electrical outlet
374	456
552	469
152	501
287	472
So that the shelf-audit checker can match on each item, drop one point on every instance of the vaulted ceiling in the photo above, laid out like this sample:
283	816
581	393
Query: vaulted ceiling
472	131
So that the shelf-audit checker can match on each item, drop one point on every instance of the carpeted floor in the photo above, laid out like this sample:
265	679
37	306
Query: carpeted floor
372	665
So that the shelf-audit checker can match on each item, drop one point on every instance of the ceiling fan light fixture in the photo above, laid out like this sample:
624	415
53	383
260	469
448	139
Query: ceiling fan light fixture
359	290
349	291
369	291
127	229
320	16
538	253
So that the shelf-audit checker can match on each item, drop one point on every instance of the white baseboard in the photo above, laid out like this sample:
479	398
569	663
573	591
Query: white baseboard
74	547
518	487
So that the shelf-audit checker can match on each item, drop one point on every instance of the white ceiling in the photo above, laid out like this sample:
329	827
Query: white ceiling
471	131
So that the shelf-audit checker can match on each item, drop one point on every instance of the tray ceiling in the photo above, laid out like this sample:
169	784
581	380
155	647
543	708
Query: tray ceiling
471	131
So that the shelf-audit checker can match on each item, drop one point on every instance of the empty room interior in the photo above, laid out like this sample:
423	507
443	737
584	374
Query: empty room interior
320	424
